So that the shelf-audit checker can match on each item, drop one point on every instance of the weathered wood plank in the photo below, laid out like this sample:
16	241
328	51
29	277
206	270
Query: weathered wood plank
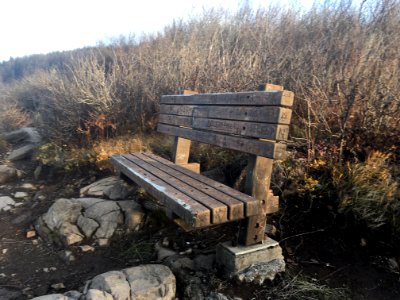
181	147
262	148
270	87
235	207
284	98
250	129
181	150
252	205
219	211
262	114
184	206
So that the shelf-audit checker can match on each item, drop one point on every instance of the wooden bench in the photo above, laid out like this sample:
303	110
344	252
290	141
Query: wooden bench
253	122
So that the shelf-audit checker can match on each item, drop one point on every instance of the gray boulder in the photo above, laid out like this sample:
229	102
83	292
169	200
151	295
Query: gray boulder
133	214
93	294
6	203
23	135
53	297
112	188
114	283
151	282
23	152
28	139
62	211
87	225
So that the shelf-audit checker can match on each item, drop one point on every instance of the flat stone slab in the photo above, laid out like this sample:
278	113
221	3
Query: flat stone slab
234	259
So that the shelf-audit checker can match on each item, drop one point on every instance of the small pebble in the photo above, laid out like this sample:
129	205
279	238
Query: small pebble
4	251
86	248
46	270
31	234
20	195
58	286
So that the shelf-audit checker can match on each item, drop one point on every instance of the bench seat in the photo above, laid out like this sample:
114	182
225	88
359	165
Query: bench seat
195	199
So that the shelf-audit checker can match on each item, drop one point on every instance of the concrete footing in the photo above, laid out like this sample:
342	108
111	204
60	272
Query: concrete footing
250	263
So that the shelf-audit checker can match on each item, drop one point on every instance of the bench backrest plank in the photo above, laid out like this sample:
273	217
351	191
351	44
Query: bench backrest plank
251	122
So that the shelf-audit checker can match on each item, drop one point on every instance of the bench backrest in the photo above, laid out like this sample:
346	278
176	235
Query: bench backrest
251	122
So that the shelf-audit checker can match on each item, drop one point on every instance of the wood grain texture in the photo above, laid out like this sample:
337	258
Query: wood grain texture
262	148
235	207
242	128
184	206
266	98
219	211
261	114
252	205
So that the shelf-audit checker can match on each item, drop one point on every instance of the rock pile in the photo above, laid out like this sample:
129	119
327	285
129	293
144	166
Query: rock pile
70	221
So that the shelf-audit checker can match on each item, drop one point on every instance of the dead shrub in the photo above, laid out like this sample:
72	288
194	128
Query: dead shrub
370	191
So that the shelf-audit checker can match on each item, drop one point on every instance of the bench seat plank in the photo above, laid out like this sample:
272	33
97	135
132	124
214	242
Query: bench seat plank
242	98
243	128
268	149
219	211
252	205
235	207
184	206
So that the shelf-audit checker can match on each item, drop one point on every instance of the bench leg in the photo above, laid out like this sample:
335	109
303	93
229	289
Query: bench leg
253	231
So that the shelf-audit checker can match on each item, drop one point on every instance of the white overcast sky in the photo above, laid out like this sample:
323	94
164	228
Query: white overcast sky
42	26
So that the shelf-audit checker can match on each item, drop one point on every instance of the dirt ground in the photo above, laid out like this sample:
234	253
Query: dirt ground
29	267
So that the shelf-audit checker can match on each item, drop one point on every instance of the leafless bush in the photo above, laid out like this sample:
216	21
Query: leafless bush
341	61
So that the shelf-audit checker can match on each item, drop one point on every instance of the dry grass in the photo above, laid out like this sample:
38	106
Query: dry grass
341	61
370	191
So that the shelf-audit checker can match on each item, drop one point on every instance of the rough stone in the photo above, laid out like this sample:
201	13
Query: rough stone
23	135
258	273
28	186
87	202
6	201
112	188
133	214
93	294
87	225
86	248
21	195
108	224
114	283
22	152
52	297
97	188
98	210
70	234
120	190
73	295
7	174
151	282
103	242
62	211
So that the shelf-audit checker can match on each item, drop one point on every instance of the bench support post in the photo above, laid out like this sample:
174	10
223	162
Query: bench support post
259	170
181	149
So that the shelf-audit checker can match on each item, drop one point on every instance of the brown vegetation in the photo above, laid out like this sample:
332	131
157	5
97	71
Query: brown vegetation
342	63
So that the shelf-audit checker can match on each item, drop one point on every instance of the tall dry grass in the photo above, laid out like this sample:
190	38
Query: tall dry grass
341	61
